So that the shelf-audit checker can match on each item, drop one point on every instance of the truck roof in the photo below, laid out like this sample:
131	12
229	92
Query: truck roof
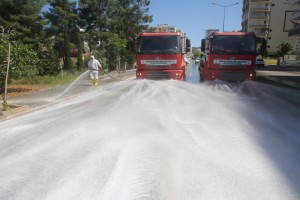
232	33
160	34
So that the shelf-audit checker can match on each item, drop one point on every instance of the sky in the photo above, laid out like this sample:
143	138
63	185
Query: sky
195	16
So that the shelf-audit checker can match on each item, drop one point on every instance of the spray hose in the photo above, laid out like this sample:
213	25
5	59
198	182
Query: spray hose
109	75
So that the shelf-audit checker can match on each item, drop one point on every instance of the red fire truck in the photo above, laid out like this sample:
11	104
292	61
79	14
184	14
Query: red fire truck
229	56
161	54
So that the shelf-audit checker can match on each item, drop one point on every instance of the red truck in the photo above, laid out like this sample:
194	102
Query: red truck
229	56
161	55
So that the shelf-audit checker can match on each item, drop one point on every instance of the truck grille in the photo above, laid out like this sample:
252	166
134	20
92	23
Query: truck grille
159	66
158	75
233	66
232	76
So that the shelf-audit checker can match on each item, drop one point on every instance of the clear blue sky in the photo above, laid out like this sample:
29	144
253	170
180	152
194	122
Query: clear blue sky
195	16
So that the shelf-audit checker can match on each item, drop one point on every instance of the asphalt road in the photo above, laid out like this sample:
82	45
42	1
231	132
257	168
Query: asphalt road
44	98
143	139
290	75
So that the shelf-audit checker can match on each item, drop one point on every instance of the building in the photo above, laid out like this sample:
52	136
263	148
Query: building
165	28
209	31
295	31
271	20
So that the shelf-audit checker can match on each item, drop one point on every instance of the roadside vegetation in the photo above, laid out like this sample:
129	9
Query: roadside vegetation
48	81
270	61
40	39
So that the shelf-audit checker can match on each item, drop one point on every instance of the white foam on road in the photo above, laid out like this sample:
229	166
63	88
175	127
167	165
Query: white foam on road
142	139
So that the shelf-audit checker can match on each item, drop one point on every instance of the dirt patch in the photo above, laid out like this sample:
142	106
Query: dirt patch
18	90
14	91
13	110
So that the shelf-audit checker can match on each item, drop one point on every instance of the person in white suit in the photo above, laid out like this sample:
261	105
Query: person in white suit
95	67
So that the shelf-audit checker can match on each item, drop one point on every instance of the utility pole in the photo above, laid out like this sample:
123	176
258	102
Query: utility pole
224	7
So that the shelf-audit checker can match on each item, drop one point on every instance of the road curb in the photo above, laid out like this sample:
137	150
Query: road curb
17	110
13	110
285	82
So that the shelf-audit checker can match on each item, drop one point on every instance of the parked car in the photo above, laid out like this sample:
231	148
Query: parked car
260	62
197	60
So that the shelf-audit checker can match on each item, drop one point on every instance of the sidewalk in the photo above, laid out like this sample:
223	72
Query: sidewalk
37	100
287	75
29	102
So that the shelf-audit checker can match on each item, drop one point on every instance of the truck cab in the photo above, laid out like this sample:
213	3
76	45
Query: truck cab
161	55
230	56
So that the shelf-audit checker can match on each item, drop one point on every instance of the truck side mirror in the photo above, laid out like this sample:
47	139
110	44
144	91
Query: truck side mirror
188	45
203	45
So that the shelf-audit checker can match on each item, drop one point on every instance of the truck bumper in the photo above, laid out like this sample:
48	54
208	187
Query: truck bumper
161	74
227	75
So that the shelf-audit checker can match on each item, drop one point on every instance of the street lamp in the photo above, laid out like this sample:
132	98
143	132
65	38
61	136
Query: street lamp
224	7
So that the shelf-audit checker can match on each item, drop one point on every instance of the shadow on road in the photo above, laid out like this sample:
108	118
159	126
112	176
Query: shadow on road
279	68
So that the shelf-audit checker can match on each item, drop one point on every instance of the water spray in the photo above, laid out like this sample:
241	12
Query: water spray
71	85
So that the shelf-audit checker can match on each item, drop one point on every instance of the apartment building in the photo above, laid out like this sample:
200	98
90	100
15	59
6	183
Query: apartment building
272	20
295	19
209	31
165	28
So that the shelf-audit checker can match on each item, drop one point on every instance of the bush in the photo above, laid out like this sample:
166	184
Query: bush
23	60
47	80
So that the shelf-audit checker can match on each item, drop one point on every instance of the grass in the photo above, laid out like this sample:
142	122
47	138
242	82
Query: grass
269	61
50	81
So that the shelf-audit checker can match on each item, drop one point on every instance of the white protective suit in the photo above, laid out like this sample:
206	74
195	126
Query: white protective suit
94	66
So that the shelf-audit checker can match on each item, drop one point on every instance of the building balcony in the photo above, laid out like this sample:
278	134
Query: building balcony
261	34
259	17
297	2
261	1
244	17
295	17
295	31
260	9
261	26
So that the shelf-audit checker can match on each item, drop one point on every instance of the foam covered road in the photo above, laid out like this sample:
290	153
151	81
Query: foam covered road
168	140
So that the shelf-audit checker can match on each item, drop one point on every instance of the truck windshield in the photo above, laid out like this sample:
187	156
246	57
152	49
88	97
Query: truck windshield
159	44
233	45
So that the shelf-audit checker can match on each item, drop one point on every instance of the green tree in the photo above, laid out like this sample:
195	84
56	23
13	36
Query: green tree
117	45
23	61
127	19
197	53
284	49
94	19
105	19
24	17
79	44
62	23
48	63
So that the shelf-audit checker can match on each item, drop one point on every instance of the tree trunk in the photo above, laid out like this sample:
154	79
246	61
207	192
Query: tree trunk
7	70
